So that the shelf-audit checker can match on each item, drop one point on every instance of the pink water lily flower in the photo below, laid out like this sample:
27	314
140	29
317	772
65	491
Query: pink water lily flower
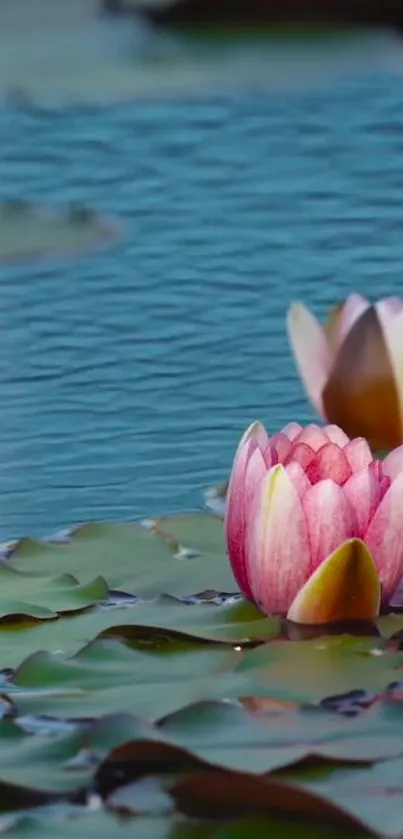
352	367
314	525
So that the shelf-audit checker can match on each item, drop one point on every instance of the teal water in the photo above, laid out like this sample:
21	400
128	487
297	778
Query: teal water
127	375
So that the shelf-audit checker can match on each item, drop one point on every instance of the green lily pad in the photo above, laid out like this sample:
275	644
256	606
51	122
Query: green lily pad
226	735
36	767
106	825
108	676
154	623
372	795
201	532
178	702
313	670
103	825
45	596
233	792
130	558
29	232
298	671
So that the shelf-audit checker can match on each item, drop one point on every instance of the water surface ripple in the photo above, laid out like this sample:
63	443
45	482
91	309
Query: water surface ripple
127	376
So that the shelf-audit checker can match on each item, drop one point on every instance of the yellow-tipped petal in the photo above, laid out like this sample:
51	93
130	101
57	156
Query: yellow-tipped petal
344	587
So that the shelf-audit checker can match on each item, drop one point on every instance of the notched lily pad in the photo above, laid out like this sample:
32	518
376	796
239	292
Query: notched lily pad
224	696
201	533
236	625
371	795
314	670
134	560
108	676
41	596
36	769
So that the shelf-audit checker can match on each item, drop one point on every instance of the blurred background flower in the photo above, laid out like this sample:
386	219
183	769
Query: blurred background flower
352	368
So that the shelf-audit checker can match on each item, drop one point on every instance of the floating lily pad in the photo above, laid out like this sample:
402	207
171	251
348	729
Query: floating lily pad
33	232
132	559
157	674
107	825
372	795
197	532
319	668
46	765
50	52
44	596
108	676
154	624
143	702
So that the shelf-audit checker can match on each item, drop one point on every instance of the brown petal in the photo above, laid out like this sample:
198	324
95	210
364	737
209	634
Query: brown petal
361	395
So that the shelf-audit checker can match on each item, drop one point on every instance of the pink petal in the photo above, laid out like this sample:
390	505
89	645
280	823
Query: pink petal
311	351
234	522
383	480
353	308
255	431
388	311
377	468
291	430
270	455
384	538
393	304
298	477
255	470
282	445
329	462
330	518
358	454
301	454
365	493
277	543
313	435
236	500
393	463
336	435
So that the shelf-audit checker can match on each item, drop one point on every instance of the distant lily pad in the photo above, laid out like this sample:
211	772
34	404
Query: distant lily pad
58	51
28	231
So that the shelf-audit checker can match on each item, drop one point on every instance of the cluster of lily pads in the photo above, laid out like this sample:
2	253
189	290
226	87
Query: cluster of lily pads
141	695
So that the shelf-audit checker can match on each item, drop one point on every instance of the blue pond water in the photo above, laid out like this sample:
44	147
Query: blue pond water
127	376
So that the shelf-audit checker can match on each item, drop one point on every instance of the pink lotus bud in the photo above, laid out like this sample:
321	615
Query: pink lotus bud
314	524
